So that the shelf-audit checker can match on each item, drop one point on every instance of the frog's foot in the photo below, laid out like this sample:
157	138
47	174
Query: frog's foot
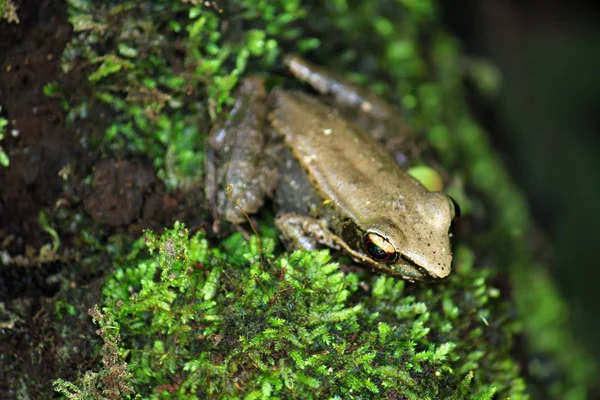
298	231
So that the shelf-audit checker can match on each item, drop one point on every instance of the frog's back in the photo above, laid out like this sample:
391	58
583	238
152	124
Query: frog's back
340	158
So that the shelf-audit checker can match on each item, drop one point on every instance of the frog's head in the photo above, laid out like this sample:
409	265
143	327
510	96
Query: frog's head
416	248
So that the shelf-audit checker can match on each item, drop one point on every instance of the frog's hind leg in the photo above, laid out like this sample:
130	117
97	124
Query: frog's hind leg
240	173
357	103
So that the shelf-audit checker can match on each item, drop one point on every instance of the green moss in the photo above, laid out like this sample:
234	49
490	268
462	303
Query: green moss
155	63
114	379
219	324
544	313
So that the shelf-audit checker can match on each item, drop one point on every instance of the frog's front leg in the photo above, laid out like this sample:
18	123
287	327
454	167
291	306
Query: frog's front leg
240	169
301	231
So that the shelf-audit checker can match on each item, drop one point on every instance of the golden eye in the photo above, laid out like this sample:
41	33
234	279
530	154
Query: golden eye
378	248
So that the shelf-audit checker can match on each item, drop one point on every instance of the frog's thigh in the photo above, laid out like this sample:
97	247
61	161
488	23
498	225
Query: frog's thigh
299	231
358	104
344	92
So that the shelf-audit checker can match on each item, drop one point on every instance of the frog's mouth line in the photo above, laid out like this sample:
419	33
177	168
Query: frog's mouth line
410	262
417	272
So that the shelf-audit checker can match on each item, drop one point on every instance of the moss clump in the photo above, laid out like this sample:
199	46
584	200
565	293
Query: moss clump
113	382
217	324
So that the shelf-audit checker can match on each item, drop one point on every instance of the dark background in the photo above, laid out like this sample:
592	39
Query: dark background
546	123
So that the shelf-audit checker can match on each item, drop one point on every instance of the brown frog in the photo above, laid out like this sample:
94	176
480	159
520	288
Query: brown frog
333	183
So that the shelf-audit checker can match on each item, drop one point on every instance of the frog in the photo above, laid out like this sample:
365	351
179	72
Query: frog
320	158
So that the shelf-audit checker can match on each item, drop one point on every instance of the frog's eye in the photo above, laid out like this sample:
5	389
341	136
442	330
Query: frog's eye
454	209
378	248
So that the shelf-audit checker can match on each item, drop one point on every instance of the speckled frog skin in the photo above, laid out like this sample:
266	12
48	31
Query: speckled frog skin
333	183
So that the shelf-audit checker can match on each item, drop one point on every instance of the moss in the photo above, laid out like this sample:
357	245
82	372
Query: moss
114	378
193	319
544	313
155	64
219	323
